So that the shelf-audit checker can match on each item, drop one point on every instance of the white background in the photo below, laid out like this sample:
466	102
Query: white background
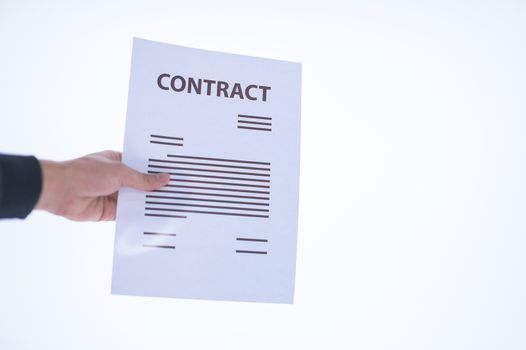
413	192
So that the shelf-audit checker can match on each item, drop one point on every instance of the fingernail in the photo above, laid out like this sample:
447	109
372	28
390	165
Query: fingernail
163	177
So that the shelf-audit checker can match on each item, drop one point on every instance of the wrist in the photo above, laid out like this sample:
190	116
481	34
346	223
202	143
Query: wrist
52	185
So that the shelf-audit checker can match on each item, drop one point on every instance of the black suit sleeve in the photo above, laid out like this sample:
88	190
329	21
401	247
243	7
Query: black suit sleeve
20	185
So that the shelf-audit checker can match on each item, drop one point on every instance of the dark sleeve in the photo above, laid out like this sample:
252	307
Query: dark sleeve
20	185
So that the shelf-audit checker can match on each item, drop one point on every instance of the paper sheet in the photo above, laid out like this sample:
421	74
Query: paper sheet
227	129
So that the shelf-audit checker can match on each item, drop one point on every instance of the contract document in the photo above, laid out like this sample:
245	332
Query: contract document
227	129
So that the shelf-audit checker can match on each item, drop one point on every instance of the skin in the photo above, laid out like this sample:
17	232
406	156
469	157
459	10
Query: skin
85	189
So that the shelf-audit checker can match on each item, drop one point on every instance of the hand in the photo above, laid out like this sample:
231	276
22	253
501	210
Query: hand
85	189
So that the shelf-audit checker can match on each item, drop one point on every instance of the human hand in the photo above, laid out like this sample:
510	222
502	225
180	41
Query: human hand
85	189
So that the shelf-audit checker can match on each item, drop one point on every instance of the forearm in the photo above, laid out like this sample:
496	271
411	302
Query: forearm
20	185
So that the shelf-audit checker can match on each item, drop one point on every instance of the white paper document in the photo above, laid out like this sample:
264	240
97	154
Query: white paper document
227	129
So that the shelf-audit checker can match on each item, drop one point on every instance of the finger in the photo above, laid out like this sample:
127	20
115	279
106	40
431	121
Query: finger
108	154
114	155
141	181
109	209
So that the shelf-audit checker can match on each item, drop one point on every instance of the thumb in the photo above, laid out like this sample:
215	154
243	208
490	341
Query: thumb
144	182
